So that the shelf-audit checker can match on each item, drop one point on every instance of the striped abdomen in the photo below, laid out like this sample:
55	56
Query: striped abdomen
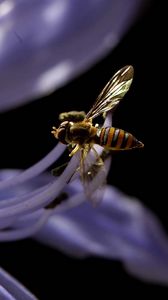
117	139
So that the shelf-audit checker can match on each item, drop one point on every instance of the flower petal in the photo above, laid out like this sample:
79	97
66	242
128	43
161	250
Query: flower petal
44	44
31	200
120	228
11	289
11	179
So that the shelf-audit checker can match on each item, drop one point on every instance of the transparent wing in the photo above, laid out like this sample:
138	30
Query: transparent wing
93	174
113	92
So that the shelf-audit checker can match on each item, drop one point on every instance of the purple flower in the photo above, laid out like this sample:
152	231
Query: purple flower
43	45
118	228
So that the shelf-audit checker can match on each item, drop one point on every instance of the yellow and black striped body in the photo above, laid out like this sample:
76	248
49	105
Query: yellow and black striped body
117	139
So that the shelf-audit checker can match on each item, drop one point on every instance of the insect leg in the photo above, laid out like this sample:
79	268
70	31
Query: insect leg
54	131
99	160
77	147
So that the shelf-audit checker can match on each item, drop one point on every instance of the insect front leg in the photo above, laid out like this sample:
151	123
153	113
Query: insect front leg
55	132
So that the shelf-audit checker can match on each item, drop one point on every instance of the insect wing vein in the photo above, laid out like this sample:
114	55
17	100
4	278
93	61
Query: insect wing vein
112	93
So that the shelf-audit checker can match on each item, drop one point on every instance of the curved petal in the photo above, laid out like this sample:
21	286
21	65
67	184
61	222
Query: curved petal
30	200
44	44
5	295
120	228
11	289
11	179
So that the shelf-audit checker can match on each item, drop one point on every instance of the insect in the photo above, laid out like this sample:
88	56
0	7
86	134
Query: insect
77	129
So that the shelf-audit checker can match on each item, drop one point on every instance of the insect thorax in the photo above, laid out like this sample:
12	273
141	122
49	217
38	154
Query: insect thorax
73	116
76	132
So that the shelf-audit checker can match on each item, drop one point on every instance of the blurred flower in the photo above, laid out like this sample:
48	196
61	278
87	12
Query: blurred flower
45	43
118	228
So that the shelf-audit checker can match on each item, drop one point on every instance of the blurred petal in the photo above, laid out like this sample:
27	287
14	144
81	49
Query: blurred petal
120	228
44	44
11	289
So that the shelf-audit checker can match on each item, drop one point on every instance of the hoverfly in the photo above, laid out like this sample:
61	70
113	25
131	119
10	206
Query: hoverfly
77	129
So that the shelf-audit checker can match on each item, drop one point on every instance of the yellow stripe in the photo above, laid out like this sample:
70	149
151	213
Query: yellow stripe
129	141
102	135
120	139
110	136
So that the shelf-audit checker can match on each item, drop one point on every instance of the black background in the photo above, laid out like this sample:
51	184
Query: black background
45	271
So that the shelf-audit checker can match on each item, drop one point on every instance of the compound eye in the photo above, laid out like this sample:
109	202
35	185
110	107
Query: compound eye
62	135
62	132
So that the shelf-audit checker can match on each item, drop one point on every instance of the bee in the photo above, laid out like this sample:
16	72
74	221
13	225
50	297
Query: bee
77	129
